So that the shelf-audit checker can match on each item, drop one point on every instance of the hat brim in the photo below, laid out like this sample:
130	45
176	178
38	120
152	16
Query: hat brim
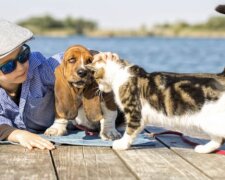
220	9
6	54
12	36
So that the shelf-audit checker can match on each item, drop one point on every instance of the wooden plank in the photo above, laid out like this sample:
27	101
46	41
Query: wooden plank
20	163
212	165
78	162
158	162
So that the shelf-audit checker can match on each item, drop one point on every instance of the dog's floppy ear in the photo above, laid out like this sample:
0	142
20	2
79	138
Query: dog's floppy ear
92	103
66	99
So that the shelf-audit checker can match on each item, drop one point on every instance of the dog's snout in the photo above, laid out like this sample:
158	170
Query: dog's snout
82	73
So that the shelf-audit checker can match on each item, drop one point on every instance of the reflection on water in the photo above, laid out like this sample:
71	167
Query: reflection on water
154	54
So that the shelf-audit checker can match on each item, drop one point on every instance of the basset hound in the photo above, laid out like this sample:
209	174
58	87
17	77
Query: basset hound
77	97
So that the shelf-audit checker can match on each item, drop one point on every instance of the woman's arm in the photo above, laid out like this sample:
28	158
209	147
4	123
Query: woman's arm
25	138
29	140
5	131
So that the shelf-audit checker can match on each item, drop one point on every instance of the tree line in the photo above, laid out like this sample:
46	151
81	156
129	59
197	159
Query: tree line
213	23
48	23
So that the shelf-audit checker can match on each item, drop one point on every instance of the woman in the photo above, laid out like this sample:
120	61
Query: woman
26	88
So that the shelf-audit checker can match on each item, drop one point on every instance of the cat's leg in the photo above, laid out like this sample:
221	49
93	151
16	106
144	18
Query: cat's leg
129	97
108	130
134	126
127	139
211	146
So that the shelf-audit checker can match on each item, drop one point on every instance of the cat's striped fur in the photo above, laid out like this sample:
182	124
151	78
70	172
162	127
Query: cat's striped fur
192	101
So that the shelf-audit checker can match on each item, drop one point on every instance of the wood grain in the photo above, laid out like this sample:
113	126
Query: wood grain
159	162
77	162
212	165
20	163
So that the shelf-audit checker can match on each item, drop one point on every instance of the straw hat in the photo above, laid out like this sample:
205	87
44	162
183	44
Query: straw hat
12	36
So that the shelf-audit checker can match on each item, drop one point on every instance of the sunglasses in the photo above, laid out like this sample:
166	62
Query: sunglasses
22	57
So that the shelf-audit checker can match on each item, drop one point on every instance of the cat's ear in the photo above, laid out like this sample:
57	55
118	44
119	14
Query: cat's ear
91	67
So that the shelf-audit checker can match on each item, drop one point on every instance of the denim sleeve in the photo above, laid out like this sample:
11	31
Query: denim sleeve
4	120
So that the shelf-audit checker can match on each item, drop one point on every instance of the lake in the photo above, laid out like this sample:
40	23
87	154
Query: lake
151	53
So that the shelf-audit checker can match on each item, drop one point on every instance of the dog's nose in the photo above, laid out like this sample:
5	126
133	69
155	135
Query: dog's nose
82	72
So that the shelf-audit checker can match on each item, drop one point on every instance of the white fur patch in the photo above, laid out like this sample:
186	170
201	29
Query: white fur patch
81	119
123	143
58	128
116	76
82	62
210	119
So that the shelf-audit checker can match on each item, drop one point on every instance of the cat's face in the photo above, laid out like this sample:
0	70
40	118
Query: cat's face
99	68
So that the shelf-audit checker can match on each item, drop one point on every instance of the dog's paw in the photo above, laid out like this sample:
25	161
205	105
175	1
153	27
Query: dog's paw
120	144
110	134
53	131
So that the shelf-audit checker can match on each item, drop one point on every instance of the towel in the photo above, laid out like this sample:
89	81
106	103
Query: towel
77	137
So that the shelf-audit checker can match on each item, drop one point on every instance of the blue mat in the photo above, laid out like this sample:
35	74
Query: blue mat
80	138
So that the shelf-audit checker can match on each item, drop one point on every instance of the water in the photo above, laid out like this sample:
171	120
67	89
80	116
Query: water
153	54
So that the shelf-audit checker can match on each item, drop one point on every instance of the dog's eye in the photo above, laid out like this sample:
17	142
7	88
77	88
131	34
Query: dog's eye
72	60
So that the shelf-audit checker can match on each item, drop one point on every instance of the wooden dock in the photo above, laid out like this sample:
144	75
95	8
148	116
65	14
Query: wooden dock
169	158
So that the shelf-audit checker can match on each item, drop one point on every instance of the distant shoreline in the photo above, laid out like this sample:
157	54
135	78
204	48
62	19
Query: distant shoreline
214	27
157	32
200	34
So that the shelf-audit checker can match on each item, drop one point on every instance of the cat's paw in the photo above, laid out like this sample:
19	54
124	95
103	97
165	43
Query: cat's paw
110	134
120	144
210	146
202	149
53	131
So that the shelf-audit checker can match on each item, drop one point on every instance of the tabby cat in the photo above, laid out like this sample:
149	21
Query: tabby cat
192	101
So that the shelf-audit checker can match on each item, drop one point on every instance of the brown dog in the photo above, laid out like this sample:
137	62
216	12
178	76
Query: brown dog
77	97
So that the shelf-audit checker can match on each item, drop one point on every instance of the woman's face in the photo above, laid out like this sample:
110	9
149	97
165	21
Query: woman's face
17	76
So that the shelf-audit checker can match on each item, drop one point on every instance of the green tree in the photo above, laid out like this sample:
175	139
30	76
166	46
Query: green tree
48	23
82	25
45	22
216	23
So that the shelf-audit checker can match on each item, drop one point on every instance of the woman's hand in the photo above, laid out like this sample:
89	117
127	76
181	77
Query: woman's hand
30	140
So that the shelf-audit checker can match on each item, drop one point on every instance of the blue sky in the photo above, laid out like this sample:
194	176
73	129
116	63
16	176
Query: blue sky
112	14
